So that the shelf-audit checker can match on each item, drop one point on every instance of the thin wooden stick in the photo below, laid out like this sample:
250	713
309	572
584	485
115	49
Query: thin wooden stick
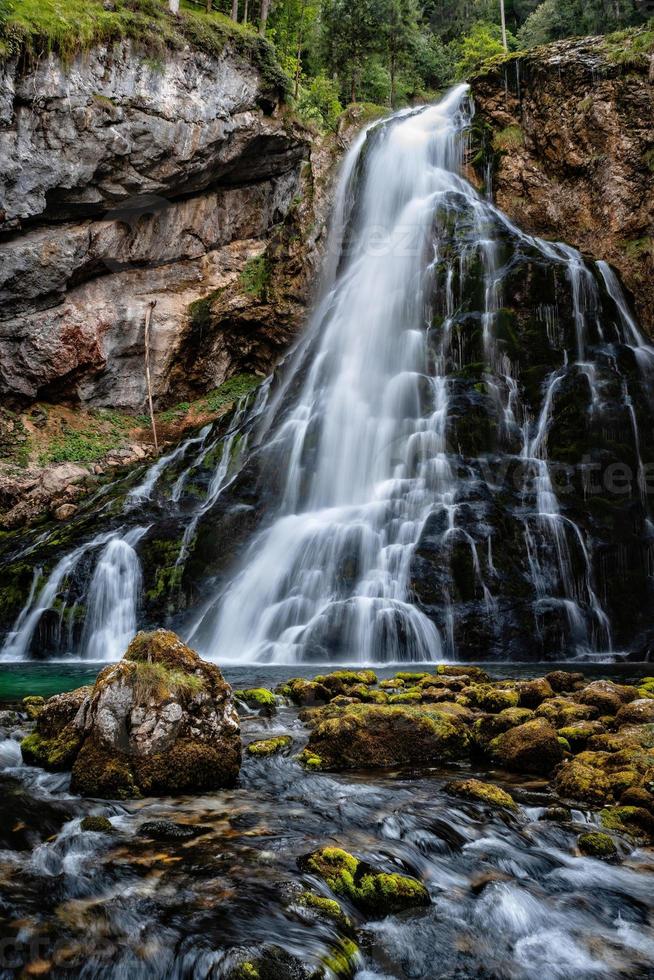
148	381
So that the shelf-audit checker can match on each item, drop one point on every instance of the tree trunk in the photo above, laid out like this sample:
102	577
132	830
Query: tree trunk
300	44
246	11
263	20
209	6
148	380
503	19
235	10
173	6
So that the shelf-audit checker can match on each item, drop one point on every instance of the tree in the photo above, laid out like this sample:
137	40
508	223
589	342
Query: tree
503	23
235	10
483	42
263	18
351	35
399	21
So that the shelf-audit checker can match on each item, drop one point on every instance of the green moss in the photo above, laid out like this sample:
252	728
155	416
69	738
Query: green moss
230	391
327	908
372	891
510	138
630	48
406	697
33	705
97	825
346	677
596	844
309	760
74	26
262	748
341	959
257	697
255	277
474	789
84	446
630	820
488	698
55	754
412	677
245	971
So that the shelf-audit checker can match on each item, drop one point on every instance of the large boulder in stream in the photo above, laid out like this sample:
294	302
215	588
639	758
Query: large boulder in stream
370	735
160	721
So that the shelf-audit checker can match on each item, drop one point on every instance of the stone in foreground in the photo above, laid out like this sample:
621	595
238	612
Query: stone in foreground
160	721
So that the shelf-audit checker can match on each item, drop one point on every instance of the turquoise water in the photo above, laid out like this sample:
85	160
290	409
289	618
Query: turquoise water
18	680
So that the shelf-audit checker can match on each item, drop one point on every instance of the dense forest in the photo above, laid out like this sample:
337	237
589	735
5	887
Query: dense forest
388	52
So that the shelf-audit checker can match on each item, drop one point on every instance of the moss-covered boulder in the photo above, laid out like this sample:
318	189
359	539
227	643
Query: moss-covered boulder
264	747
632	821
325	908
532	747
257	698
563	711
374	892
607	697
475	789
534	692
305	693
639	712
159	721
563	681
369	736
339	680
57	738
96	825
584	783
476	674
33	705
578	734
489	698
598	845
485	729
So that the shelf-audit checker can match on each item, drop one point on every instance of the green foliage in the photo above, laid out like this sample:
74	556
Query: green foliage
555	19
231	391
155	680
482	43
78	447
319	104
255	277
510	138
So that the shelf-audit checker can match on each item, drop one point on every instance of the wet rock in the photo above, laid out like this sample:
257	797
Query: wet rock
632	821
640	712
257	697
33	705
374	892
578	734
325	908
369	736
485	729
532	747
96	825
577	781
557	814
561	712
304	693
608	698
638	796
160	721
563	681
168	830
64	511
534	692
488	698
340	680
262	748
597	845
475	789
476	674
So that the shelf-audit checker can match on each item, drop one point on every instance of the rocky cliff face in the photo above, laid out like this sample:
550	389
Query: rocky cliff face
126	183
568	132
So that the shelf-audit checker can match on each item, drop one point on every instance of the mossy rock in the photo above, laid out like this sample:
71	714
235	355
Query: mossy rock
97	825
310	760
598	845
347	678
578	781
406	697
368	695
561	712
257	697
54	754
633	821
374	892
475	789
262	748
370	736
532	747
392	684
411	677
489	698
578	734
485	729
325	908
532	693
305	693
564	680
475	674
342	959
33	706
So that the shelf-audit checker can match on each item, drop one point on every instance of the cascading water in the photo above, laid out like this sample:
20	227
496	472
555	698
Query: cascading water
394	492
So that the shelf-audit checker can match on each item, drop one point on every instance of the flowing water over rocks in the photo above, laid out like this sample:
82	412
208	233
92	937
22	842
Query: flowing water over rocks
453	461
196	886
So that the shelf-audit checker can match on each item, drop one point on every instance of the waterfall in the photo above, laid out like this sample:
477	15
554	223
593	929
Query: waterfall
113	598
393	489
